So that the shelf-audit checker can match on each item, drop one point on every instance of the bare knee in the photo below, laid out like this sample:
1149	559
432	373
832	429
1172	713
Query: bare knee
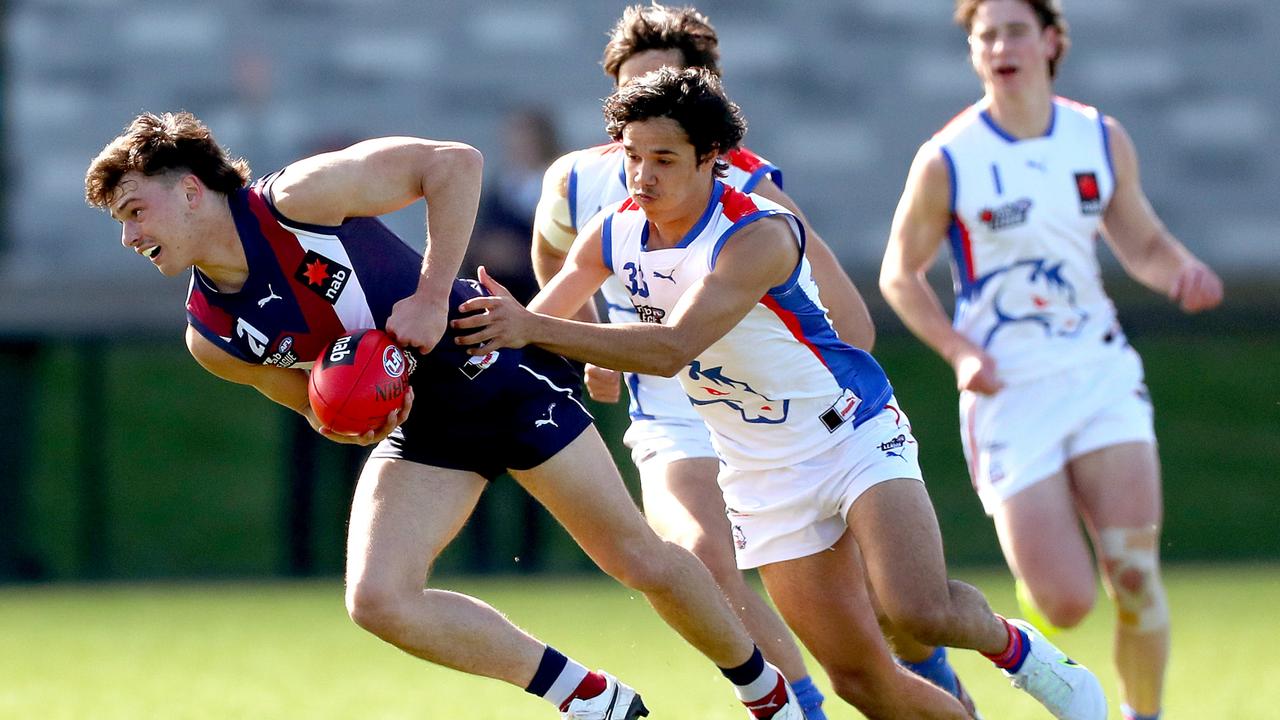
928	623
1067	607
644	567
376	607
717	555
868	689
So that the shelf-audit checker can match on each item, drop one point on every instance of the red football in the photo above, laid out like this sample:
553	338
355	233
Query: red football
357	381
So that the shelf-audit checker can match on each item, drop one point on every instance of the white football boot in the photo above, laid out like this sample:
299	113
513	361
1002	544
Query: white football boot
1066	688
617	702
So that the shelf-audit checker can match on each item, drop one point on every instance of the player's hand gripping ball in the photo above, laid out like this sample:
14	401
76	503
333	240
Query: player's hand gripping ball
358	380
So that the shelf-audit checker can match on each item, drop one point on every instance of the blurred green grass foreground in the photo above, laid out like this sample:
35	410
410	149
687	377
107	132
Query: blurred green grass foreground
287	650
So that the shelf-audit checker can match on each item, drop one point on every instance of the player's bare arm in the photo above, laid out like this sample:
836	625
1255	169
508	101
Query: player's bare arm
761	257
1148	251
919	225
839	295
285	386
379	176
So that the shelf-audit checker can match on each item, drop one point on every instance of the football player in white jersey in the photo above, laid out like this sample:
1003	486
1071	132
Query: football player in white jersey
669	443
1056	422
820	470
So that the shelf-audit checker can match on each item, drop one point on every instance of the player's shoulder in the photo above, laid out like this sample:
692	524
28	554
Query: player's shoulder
1069	105
736	204
745	158
558	173
959	123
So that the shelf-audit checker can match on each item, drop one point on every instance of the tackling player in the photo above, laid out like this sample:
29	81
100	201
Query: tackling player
820	472
669	443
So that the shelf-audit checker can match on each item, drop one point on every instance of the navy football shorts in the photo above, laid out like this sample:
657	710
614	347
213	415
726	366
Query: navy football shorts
487	415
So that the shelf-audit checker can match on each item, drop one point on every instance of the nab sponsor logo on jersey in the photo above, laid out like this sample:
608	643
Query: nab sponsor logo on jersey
1007	215
1090	195
283	356
322	276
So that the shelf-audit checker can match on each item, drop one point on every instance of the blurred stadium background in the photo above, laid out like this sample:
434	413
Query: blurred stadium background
123	460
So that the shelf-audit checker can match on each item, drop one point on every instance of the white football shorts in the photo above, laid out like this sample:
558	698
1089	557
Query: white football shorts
664	426
1029	431
793	512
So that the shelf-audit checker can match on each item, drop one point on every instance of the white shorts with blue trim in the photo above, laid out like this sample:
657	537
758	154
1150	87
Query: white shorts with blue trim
792	512
1029	431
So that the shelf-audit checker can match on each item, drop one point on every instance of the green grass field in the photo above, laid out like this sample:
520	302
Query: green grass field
284	650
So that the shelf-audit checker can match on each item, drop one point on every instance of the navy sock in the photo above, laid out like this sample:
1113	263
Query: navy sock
747	672
936	670
557	677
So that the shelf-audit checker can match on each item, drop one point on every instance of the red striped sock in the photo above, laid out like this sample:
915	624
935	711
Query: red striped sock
768	706
592	685
1014	653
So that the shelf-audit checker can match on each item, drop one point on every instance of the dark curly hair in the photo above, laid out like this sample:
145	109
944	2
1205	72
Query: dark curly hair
658	27
692	97
1048	12
156	144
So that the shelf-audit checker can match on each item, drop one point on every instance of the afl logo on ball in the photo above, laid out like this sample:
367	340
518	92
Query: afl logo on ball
393	361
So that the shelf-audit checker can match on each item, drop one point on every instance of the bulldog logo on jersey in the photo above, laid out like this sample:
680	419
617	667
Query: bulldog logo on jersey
1090	194
1034	293
715	387
322	276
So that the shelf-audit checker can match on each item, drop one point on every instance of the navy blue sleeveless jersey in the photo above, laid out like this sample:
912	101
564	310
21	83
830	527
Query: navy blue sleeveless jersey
308	284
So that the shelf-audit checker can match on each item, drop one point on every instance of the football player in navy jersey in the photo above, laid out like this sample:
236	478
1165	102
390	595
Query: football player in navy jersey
281	266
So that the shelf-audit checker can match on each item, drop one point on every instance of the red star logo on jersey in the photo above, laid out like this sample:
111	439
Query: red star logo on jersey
1088	187
316	272
323	276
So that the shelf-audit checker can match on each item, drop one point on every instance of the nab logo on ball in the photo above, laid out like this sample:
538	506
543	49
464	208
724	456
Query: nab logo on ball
322	276
340	352
360	380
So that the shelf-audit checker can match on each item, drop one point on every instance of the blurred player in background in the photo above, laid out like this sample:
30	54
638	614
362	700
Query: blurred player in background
1055	419
668	441
282	266
820	470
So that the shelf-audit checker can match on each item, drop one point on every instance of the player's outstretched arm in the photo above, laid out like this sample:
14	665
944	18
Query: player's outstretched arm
844	303
379	176
761	256
285	386
919	225
1146	249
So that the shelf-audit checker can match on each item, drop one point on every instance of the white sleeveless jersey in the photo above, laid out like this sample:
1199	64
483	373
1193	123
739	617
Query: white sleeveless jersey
598	179
778	388
1024	226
